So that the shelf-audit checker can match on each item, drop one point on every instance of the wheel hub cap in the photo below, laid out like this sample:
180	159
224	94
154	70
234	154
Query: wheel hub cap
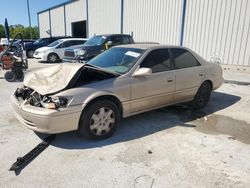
102	121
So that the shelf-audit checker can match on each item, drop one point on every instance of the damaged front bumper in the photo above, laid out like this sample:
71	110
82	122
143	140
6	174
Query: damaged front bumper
46	120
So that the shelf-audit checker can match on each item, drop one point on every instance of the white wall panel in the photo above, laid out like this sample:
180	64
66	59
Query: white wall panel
57	22
75	12
153	21
43	23
219	28
104	16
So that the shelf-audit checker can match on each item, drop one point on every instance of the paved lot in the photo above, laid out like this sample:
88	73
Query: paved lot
169	147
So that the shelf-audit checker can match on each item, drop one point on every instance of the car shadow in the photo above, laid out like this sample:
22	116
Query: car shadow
148	123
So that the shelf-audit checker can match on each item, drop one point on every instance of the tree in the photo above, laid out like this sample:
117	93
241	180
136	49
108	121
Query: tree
25	31
2	34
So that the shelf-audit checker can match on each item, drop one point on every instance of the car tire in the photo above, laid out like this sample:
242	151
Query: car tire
30	53
18	74
99	120
202	96
10	76
53	58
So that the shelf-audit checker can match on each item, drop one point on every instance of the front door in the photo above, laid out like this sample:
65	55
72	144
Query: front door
156	90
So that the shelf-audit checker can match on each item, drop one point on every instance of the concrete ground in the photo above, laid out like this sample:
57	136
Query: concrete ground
169	147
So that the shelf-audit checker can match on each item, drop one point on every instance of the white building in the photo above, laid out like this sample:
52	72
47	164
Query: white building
212	28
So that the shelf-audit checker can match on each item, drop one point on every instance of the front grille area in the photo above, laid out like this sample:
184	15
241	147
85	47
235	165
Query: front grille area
68	53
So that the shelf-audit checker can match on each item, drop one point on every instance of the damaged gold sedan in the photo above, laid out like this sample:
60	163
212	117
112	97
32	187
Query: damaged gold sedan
123	81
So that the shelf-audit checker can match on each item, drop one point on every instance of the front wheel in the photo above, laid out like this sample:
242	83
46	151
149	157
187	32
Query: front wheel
99	120
10	76
202	96
53	58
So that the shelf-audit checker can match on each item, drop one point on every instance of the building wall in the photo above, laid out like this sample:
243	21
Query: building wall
155	21
219	28
75	11
43	23
57	22
212	28
104	16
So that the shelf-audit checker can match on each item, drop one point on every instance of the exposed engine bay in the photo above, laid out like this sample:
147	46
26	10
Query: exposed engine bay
35	99
83	76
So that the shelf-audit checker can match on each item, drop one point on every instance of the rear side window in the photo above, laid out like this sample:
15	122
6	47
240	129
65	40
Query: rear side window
77	42
116	40
183	59
158	60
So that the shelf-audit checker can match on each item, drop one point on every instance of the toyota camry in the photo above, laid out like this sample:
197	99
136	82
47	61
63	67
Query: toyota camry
121	82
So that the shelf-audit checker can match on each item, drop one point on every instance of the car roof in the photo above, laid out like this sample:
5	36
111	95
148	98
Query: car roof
68	39
146	46
108	35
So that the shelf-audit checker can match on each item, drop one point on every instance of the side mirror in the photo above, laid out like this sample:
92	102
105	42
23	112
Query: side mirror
143	72
109	43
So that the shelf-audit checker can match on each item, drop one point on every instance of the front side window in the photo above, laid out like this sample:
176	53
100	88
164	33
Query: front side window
183	59
53	44
96	41
158	60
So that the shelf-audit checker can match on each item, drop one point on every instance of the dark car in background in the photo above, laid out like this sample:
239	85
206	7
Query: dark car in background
95	46
18	43
31	47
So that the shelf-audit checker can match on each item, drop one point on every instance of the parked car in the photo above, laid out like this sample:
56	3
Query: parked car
123	81
95	46
30	48
4	42
54	52
25	42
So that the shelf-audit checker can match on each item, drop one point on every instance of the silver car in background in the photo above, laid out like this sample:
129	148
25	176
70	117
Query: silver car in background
121	82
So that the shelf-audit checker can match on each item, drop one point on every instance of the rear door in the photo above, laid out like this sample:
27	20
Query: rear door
155	90
188	72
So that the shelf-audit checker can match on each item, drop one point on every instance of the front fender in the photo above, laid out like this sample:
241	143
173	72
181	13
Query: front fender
98	94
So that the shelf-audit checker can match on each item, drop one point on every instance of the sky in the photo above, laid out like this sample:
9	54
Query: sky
16	10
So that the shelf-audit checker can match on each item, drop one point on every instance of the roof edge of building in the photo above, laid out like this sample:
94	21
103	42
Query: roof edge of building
57	6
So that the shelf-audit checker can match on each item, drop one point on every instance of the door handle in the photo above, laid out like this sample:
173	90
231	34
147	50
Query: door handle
170	80
201	74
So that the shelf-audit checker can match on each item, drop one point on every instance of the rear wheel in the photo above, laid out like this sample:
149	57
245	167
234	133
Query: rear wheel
53	58
202	96
99	120
10	76
18	74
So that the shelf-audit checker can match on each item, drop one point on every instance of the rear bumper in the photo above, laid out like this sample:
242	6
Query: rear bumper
47	120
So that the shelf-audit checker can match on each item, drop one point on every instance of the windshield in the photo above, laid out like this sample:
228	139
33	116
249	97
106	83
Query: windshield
53	44
95	41
119	60
38	41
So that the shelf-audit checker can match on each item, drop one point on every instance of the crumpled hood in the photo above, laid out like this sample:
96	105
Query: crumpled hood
51	79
